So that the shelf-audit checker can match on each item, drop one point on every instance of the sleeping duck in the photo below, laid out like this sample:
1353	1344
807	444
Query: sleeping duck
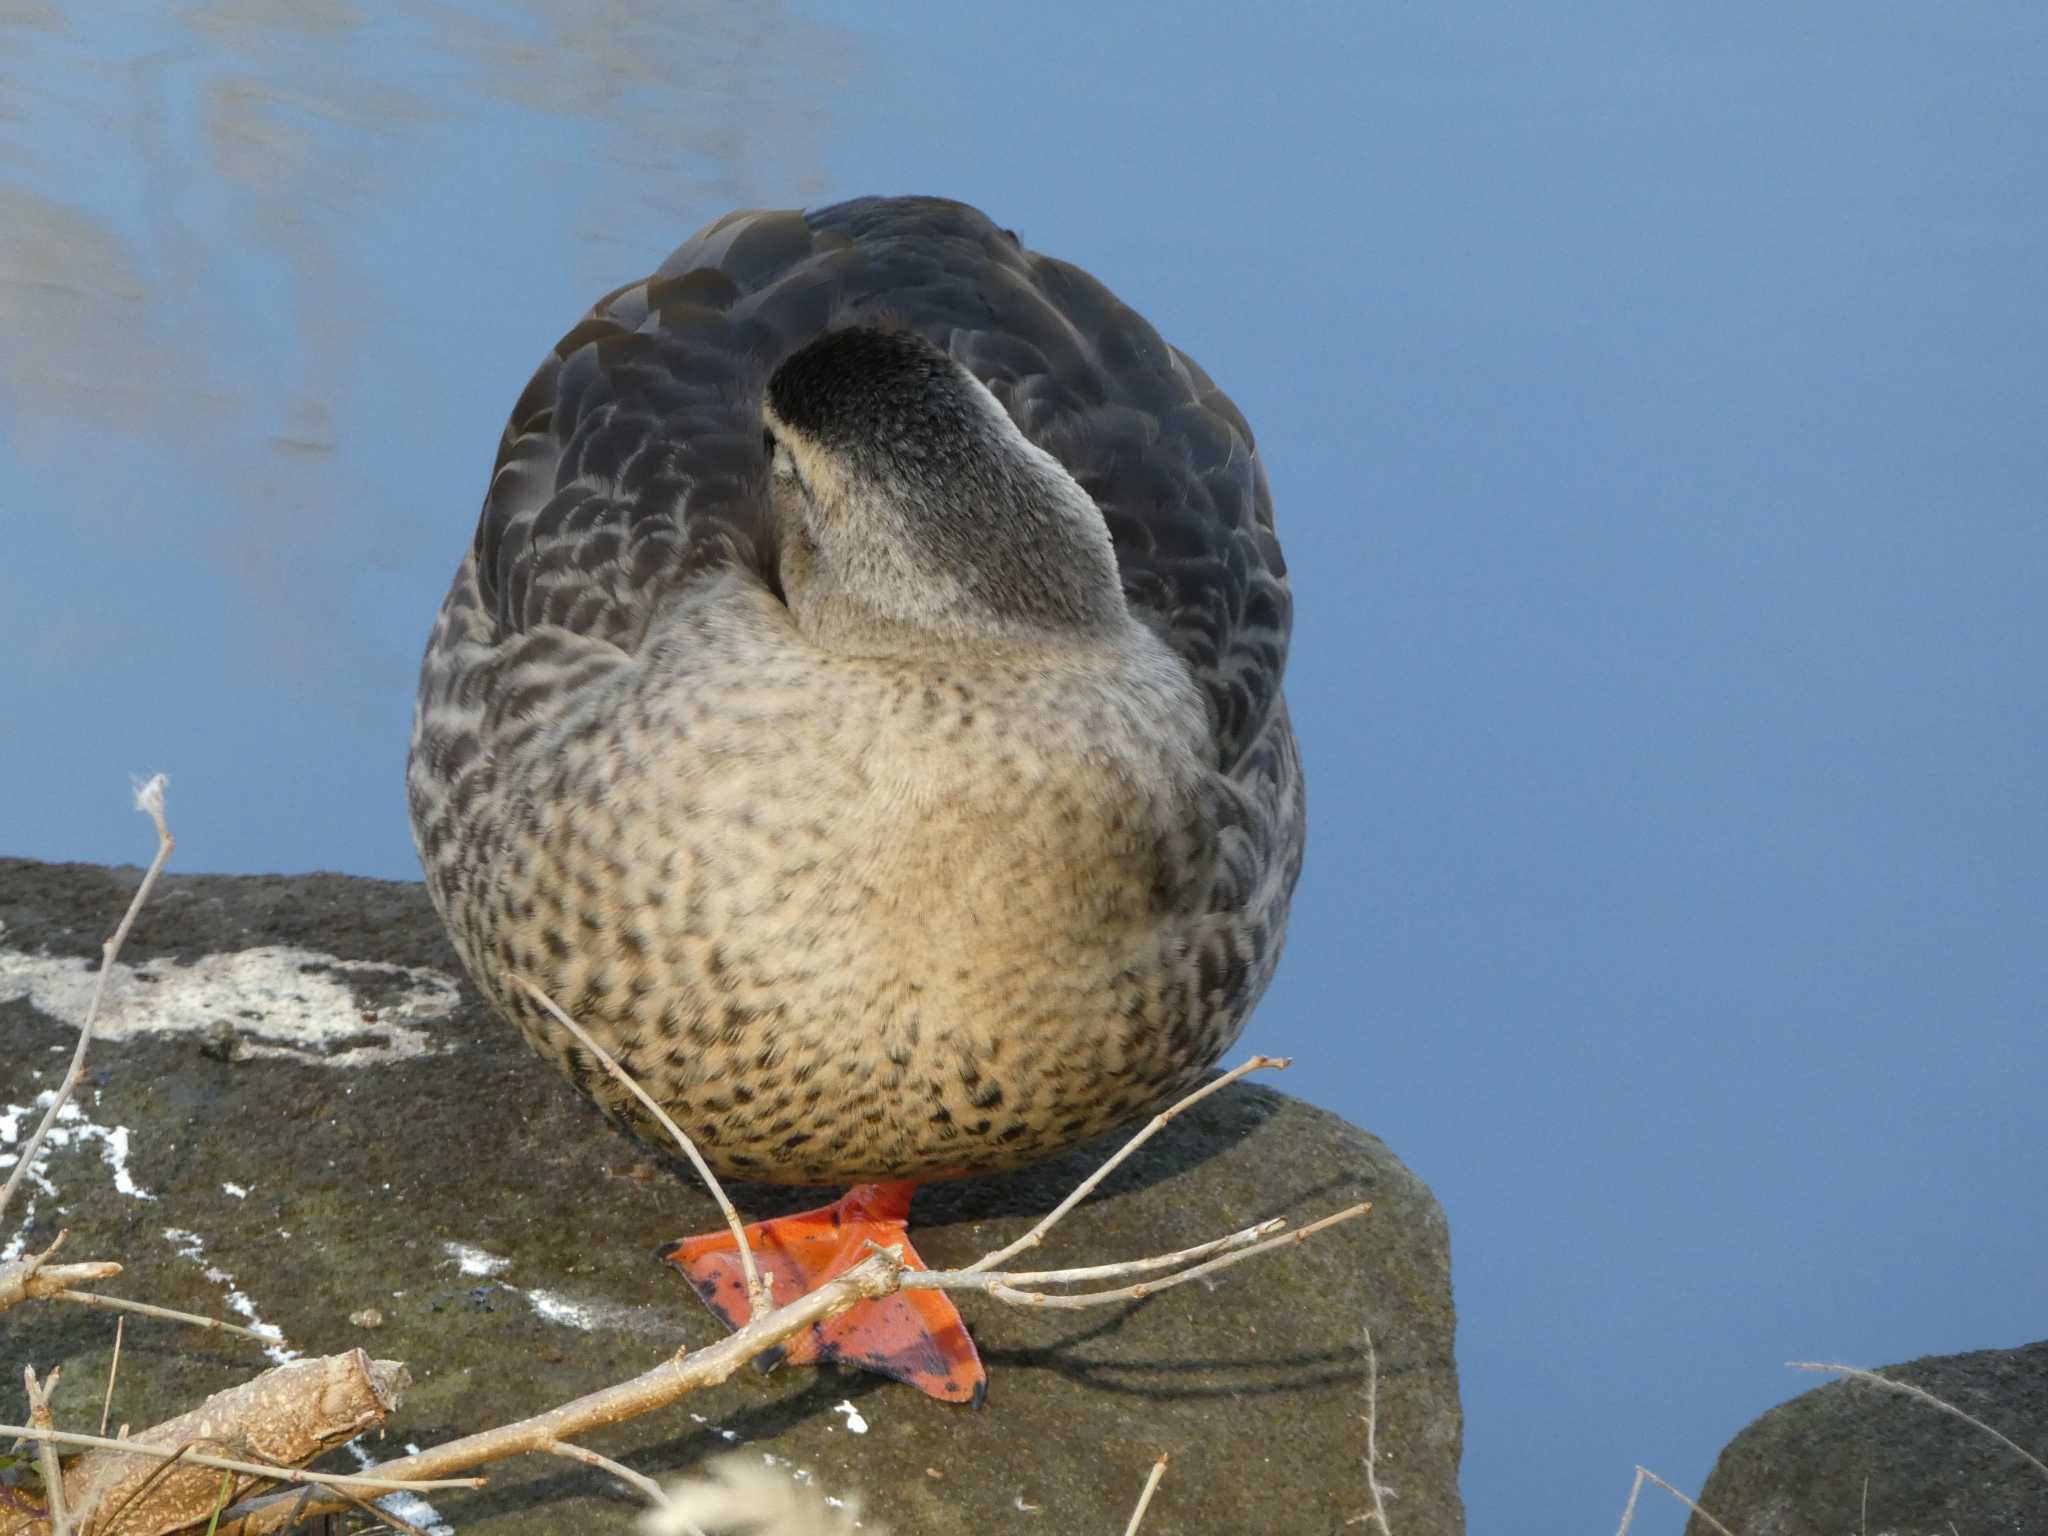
860	708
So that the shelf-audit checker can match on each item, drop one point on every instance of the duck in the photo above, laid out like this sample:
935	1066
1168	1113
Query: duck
860	707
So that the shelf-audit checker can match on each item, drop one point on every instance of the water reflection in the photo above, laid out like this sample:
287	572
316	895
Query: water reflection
272	270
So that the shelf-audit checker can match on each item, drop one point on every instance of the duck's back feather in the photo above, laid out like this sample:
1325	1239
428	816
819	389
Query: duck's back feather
633	463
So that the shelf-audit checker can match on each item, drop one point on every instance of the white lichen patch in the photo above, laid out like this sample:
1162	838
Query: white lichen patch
189	1245
406	1505
277	1000
232	1188
71	1129
589	1316
854	1421
474	1261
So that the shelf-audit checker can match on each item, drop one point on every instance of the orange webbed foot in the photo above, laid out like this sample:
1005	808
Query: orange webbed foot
915	1337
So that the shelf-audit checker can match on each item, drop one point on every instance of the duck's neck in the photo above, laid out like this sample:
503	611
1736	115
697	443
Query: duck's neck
901	569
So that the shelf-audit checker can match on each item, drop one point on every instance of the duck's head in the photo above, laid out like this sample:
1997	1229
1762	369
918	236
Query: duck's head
911	513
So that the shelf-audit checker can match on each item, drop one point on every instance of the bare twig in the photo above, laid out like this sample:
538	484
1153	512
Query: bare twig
759	1301
1644	1474
874	1276
150	1309
1372	1434
881	1273
149	798
35	1277
1923	1395
1152	1128
43	1421
1116	1271
113	1370
624	1474
371	1479
1002	1286
1145	1498
381	1516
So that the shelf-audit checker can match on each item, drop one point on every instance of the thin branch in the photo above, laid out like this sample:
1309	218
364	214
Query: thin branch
381	1516
35	1277
150	800
1372	1434
624	1474
1001	1287
1036	1277
881	1273
1145	1498
1644	1474
39	1415
1926	1397
113	1370
247	1468
759	1301
150	1309
1152	1128
874	1276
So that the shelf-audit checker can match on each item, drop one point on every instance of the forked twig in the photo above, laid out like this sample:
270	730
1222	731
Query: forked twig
881	1273
40	1416
1372	1434
149	799
1004	1286
1644	1474
759	1301
1152	1128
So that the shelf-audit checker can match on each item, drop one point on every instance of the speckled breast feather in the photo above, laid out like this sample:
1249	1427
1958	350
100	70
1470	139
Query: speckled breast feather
856	917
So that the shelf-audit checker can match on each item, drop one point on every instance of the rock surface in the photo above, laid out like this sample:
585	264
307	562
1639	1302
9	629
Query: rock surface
299	1114
1853	1456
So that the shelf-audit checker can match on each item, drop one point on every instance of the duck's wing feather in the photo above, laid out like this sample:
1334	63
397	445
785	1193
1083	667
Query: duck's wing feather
632	463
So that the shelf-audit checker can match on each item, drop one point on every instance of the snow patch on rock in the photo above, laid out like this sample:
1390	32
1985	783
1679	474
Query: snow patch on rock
276	999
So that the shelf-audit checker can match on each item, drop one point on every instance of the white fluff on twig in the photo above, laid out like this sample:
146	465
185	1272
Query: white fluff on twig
742	1497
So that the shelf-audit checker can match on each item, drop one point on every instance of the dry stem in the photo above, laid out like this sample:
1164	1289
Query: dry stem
1644	1474
880	1274
624	1474
1926	1397
874	1276
272	1473
150	1309
1153	1127
150	800
759	1301
1145	1498
113	1370
40	1417
1004	1287
1372	1435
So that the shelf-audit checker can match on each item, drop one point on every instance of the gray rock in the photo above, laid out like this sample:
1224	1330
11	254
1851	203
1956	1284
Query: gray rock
299	1115
1853	1456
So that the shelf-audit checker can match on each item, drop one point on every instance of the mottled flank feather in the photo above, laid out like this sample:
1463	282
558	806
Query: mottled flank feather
847	914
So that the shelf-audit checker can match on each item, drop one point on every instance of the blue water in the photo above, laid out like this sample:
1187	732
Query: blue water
1654	404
